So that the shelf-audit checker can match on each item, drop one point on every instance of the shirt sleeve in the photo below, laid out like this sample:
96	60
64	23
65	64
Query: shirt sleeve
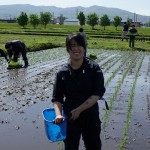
57	95
99	88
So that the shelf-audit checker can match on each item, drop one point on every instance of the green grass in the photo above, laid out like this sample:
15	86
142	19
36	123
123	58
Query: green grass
11	31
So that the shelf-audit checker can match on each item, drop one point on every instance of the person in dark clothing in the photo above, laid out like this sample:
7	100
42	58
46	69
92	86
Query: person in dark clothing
3	54
124	31
78	86
132	33
14	49
81	30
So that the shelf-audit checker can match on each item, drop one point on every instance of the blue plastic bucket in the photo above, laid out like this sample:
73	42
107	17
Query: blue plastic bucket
54	132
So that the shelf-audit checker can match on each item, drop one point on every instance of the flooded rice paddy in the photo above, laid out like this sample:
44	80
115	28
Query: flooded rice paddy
26	92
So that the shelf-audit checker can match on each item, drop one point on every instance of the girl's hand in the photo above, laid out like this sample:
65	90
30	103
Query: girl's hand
59	119
75	113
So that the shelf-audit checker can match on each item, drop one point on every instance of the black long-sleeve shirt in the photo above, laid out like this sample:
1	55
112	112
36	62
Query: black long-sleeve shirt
17	47
73	87
132	33
125	27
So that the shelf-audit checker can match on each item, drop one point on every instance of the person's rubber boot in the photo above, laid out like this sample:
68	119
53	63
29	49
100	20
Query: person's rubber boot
26	65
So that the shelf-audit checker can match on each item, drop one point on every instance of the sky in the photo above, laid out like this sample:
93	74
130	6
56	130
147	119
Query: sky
141	7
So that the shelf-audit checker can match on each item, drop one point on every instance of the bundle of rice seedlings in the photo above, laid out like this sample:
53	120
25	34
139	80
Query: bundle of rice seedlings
13	64
93	56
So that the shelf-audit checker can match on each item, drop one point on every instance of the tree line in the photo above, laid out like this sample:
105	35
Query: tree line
34	19
92	20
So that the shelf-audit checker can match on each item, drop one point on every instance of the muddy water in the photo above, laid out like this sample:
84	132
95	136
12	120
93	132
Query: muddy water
22	101
25	93
139	135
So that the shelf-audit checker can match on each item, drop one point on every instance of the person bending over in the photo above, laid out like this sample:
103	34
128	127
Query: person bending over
14	49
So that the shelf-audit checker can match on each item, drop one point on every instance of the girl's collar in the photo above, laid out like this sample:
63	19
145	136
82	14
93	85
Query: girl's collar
76	66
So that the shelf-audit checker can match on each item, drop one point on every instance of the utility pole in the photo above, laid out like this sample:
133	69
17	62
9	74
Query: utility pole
134	17
53	17
77	12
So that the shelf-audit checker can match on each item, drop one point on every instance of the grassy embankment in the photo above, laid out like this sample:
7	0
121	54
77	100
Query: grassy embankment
54	36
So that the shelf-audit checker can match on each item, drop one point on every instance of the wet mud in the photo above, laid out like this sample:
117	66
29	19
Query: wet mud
26	92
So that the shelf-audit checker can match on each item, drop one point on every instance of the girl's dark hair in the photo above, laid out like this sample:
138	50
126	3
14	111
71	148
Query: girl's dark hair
81	29
76	37
132	25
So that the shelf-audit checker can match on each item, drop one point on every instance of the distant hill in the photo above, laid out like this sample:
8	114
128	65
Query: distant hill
12	11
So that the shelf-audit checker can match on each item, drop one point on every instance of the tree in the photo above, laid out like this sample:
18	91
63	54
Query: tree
34	20
45	18
116	22
129	21
81	18
22	19
104	21
92	20
61	19
148	24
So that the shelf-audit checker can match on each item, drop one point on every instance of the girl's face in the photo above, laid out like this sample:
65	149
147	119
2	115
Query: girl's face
76	51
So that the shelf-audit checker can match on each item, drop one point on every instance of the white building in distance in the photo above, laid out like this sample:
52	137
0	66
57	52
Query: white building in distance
71	22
